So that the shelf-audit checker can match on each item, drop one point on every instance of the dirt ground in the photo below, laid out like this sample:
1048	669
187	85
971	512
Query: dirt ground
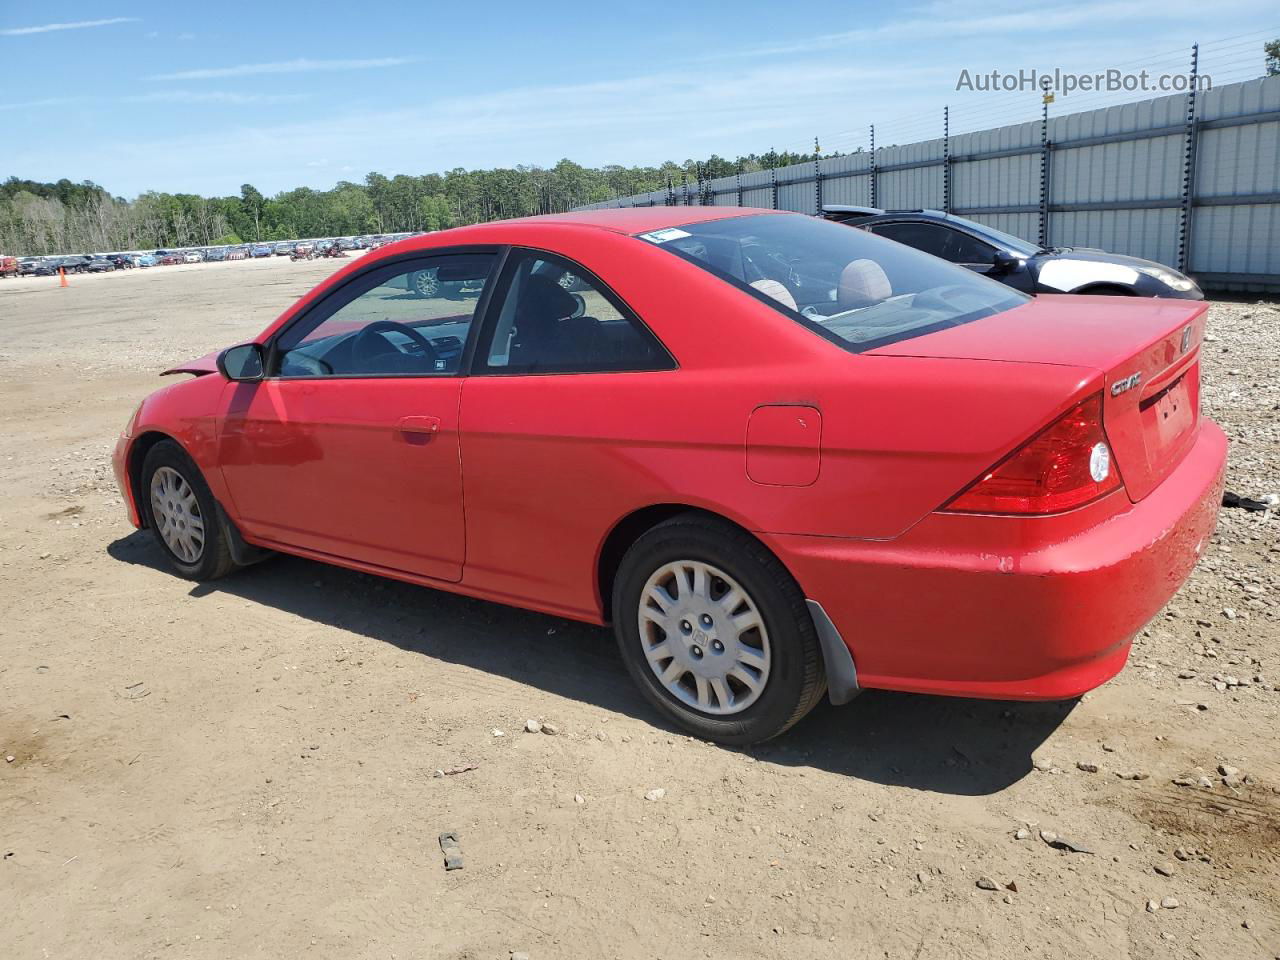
247	769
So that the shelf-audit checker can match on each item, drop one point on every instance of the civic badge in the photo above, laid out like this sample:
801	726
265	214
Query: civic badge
1126	383
1186	339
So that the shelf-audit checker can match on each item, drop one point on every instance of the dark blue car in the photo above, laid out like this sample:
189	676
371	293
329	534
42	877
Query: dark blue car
1016	262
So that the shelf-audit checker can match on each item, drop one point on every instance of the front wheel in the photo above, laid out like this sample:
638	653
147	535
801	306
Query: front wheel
183	515
715	631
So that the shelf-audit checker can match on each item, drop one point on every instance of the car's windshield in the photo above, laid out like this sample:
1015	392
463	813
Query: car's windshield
857	290
1024	247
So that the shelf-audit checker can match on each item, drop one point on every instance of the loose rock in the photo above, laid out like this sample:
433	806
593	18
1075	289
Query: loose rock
1086	766
657	793
986	883
1169	903
532	726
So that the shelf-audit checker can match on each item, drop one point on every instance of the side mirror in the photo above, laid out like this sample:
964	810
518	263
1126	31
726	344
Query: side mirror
242	364
1004	262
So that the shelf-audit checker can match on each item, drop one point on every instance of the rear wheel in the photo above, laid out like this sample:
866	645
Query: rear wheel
183	515
715	631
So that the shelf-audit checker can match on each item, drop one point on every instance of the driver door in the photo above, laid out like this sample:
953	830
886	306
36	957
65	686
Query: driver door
349	447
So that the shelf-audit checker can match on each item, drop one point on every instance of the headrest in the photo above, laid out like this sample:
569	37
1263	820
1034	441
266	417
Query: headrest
774	289
543	298
863	282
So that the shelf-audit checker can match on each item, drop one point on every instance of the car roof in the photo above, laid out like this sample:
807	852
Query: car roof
631	220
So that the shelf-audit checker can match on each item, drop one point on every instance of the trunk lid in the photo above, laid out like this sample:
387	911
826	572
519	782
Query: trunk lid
1148	352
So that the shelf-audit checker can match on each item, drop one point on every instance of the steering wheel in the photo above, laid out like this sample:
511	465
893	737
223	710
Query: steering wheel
364	345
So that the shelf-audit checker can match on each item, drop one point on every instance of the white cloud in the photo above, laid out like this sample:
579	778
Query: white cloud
38	104
214	96
301	65
75	25
948	20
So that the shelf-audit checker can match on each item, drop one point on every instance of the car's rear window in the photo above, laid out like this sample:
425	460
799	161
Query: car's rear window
857	290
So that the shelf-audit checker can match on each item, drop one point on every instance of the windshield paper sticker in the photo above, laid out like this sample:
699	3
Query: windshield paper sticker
663	236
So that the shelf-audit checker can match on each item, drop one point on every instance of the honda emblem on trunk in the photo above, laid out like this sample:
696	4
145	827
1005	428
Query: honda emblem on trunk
1186	340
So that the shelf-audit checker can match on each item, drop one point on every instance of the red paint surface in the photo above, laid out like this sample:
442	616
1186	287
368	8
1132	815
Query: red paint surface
521	479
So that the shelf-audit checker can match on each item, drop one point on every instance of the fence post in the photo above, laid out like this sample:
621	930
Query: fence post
874	174
817	176
1045	148
684	185
1189	165
773	187
946	159
671	193
738	182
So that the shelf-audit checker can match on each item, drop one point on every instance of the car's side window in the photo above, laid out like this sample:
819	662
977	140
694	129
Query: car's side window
406	319
969	250
925	237
553	319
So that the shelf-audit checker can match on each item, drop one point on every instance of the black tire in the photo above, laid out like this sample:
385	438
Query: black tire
796	680
214	560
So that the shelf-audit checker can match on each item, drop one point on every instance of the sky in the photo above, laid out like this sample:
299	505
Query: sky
204	97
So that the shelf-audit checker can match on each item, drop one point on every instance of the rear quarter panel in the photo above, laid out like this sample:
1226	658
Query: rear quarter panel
552	463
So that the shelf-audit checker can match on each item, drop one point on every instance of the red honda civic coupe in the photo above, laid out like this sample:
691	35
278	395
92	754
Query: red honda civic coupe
782	457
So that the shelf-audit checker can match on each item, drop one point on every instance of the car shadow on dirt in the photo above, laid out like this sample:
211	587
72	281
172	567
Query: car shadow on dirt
940	744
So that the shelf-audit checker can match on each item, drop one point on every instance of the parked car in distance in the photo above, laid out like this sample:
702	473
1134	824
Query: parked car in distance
263	250
74	264
905	477
237	253
1019	263
27	266
8	266
193	256
99	265
171	259
145	260
45	267
121	261
283	249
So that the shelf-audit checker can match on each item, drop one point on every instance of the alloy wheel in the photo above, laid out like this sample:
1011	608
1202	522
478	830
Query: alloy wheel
425	283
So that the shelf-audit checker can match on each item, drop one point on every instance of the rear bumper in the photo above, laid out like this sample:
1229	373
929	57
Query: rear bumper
1038	608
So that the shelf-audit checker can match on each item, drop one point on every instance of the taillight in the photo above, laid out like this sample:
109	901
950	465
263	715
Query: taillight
1067	464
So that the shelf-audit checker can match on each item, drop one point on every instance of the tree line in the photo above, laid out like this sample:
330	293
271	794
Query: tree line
66	217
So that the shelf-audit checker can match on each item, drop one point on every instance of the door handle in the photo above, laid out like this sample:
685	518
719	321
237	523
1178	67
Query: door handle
419	430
